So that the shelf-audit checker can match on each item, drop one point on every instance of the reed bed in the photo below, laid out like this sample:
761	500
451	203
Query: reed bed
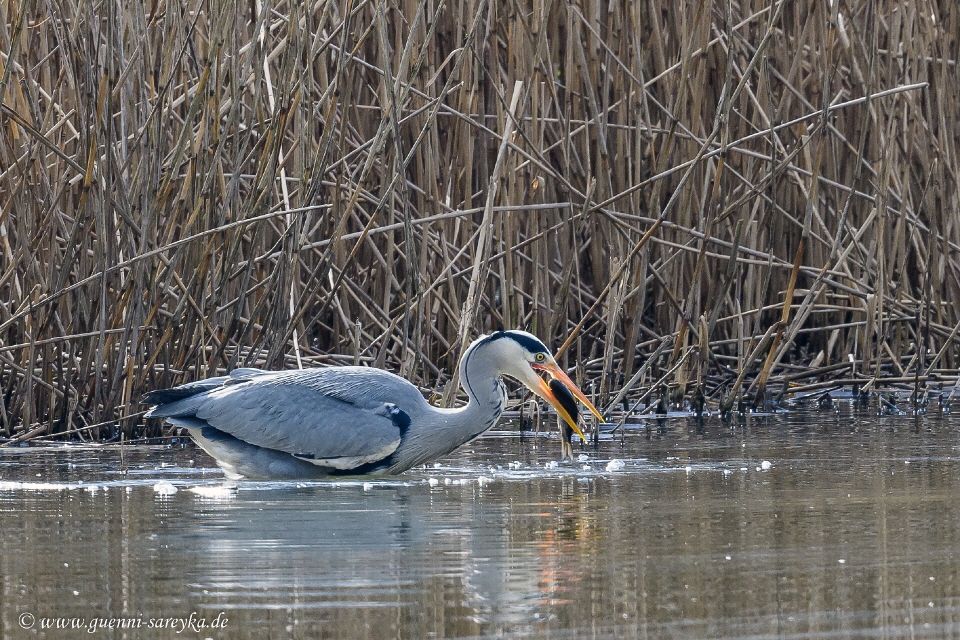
713	200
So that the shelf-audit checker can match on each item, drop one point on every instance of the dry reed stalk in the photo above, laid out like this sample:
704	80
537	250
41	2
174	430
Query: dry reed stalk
280	184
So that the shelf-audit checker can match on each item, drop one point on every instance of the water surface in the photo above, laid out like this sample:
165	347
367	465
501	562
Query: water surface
810	524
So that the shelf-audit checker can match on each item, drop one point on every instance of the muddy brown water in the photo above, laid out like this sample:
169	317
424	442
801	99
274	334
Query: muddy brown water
807	524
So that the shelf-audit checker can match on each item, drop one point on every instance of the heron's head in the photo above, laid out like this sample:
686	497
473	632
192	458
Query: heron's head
523	356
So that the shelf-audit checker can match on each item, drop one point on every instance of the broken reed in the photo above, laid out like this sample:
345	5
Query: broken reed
190	187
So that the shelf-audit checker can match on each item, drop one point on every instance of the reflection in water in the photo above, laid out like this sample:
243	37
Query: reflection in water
850	529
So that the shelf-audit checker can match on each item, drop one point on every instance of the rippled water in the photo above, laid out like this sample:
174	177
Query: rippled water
815	524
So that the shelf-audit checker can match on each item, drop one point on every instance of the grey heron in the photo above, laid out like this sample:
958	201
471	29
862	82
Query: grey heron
314	423
566	401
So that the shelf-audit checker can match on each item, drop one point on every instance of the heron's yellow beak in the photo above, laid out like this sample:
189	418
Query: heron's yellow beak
546	393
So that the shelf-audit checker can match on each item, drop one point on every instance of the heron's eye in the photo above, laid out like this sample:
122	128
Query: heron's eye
541	357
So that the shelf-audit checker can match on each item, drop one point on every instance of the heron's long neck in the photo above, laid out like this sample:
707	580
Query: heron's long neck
480	378
440	431
487	395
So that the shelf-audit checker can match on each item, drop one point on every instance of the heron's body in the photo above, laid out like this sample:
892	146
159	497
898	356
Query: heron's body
343	420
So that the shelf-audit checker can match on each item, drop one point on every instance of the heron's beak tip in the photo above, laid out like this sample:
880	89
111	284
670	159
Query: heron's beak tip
576	429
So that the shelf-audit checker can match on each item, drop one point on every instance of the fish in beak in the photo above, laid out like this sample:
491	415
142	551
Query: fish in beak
545	391
568	402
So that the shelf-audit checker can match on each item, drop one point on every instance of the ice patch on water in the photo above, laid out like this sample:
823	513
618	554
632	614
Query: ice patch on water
213	492
9	485
165	488
616	465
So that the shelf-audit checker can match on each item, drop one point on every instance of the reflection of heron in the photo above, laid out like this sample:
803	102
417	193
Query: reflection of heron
351	420
565	402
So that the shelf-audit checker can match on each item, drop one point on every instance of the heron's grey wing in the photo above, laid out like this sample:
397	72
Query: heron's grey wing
341	417
167	396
